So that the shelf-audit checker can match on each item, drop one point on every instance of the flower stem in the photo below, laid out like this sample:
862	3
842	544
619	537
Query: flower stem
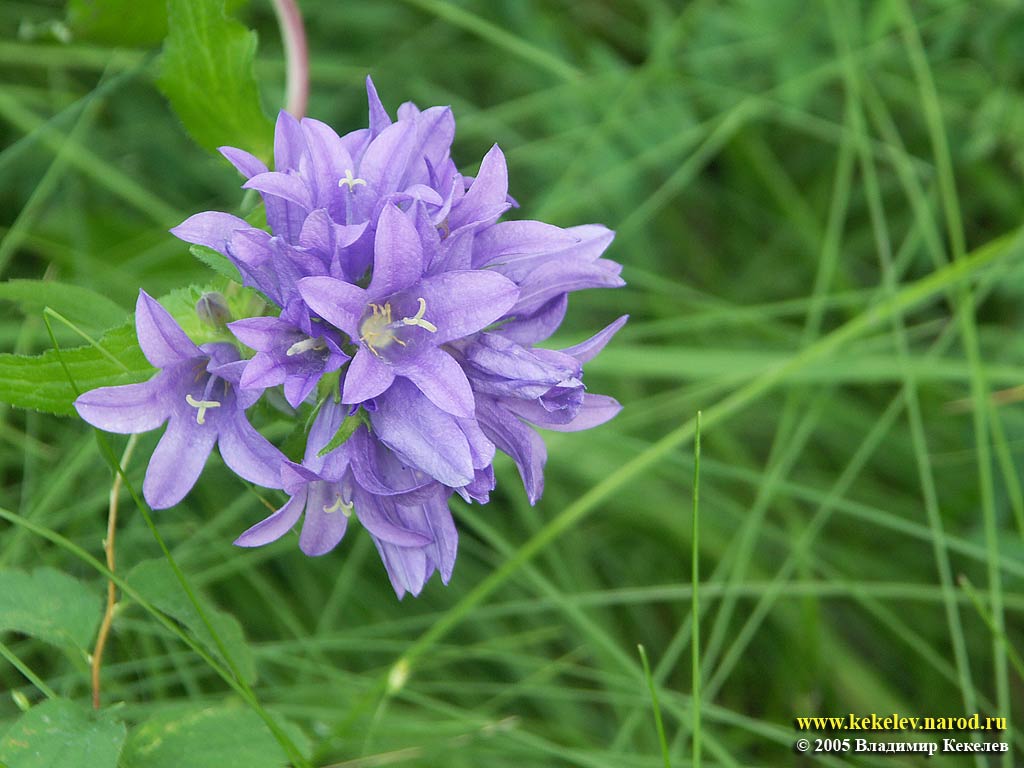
293	34
108	548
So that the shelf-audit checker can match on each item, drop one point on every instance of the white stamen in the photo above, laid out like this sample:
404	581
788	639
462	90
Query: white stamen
350	180
340	506
202	405
305	346
417	319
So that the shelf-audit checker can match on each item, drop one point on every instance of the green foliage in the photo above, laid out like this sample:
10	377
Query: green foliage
140	23
85	308
345	430
49	605
155	581
62	734
41	381
203	737
207	73
218	262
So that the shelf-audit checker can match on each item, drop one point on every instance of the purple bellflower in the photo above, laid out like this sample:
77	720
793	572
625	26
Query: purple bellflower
405	512
402	318
290	350
196	393
404	311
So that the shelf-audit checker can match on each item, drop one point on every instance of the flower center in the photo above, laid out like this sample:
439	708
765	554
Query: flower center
201	405
379	331
350	180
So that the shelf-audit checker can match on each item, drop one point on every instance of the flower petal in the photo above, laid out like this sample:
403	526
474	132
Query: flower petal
445	538
397	254
441	379
510	241
519	441
423	435
562	276
321	530
128	409
249	454
596	410
178	461
384	163
366	377
262	372
210	228
379	118
486	199
461	303
341	304
589	349
275	526
298	386
283	185
245	163
377	514
406	567
161	338
535	327
260	333
329	159
289	142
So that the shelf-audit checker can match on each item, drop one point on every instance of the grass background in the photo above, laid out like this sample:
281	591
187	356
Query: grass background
818	208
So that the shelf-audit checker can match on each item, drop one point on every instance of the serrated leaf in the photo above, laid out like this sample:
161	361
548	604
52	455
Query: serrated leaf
210	737
345	430
156	581
40	382
62	734
207	74
49	605
83	307
218	262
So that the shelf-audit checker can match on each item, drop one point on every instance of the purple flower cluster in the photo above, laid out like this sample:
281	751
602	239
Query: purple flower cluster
390	270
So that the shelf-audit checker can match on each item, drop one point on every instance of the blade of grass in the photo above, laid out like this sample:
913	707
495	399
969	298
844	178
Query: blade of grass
695	703
966	316
658	724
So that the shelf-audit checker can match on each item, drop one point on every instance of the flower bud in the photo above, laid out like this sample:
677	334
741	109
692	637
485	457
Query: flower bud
212	309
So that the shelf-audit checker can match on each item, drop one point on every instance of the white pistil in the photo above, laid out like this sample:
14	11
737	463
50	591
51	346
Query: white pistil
202	405
350	180
305	346
418	320
340	506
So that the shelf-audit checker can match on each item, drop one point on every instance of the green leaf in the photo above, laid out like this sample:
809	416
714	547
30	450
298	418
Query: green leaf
49	605
218	262
207	73
62	734
40	382
82	306
156	581
348	425
208	737
139	23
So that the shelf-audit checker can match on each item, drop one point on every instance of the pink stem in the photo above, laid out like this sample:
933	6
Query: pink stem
293	33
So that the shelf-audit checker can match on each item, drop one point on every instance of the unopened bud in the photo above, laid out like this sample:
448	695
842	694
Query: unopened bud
212	309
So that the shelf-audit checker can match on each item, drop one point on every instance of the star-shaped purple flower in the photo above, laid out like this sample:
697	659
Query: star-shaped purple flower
196	393
402	318
290	350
